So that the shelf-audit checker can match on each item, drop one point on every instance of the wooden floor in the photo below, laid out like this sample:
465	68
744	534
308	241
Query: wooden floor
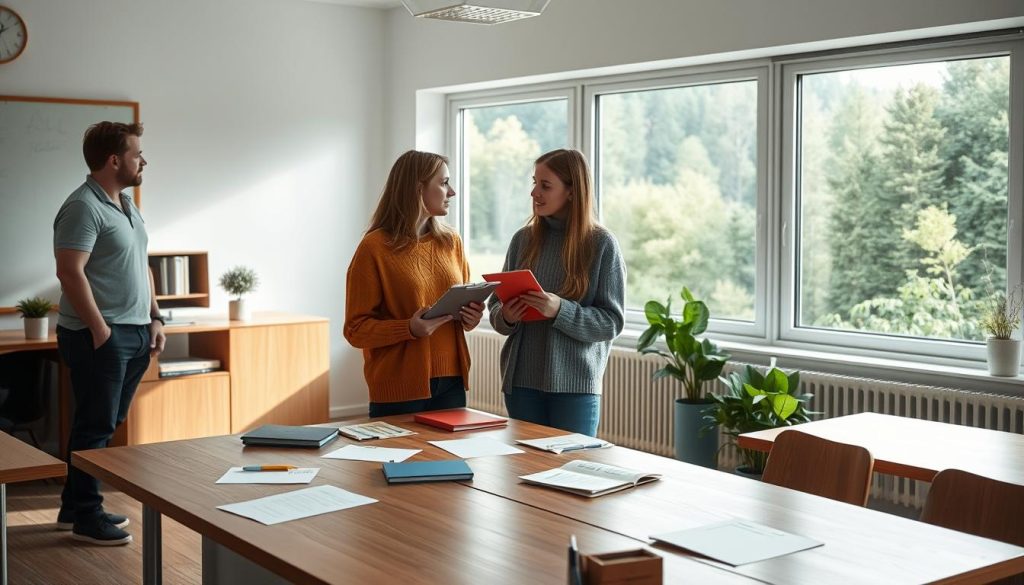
39	553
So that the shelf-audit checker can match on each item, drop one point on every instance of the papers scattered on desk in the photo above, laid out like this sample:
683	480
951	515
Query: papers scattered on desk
297	504
562	443
374	430
300	475
370	453
586	478
738	542
476	447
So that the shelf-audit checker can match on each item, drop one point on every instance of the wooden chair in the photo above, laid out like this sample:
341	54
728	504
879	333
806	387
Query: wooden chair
821	467
977	505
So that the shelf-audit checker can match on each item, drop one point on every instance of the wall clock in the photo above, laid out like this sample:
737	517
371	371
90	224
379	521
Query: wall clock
13	35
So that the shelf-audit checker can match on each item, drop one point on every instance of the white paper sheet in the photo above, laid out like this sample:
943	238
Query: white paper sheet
476	447
562	443
297	504
738	542
577	481
300	475
370	453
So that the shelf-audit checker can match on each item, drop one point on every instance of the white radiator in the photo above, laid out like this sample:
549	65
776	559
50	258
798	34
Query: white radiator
636	411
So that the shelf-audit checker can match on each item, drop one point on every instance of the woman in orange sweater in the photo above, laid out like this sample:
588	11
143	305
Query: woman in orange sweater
405	262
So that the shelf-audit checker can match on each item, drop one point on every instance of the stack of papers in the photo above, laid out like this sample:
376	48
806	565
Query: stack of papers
590	479
738	542
476	447
374	430
297	504
370	453
561	443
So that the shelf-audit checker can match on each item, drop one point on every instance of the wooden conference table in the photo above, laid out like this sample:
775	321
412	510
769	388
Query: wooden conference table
20	462
914	448
496	530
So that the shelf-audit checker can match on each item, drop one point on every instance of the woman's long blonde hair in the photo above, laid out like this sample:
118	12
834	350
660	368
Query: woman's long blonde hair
570	166
401	205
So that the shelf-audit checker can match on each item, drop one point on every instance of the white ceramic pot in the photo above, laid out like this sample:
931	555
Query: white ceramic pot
238	310
1003	356
37	328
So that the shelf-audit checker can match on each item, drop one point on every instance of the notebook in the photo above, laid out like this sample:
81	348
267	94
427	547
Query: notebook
459	296
515	283
589	479
413	471
290	436
460	419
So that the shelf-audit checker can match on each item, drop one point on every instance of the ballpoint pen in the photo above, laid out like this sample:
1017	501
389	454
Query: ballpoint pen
576	446
269	468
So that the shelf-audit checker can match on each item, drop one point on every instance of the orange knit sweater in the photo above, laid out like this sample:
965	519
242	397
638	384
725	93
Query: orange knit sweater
384	288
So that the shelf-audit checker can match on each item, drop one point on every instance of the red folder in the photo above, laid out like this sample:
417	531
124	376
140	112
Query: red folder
515	283
460	419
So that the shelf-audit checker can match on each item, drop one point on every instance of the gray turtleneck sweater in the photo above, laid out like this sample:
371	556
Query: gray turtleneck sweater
568	353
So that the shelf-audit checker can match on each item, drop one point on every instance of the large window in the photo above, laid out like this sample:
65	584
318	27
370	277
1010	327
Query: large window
867	200
499	145
677	170
902	191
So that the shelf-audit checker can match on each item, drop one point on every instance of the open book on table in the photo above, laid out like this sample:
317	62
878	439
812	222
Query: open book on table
589	479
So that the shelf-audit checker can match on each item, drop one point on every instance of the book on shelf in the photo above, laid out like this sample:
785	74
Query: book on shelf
514	284
184	366
374	430
458	296
589	479
289	436
414	471
460	419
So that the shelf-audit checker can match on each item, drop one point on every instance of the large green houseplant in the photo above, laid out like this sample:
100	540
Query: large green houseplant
755	402
691	360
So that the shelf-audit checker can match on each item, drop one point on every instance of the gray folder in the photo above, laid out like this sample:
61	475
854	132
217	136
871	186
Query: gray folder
459	296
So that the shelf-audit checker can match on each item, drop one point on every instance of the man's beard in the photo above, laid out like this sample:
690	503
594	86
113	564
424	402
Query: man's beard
130	180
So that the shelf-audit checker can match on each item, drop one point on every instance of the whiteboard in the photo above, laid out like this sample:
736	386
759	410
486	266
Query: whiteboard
41	163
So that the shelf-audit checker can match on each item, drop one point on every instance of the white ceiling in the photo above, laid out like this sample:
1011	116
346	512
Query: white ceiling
382	4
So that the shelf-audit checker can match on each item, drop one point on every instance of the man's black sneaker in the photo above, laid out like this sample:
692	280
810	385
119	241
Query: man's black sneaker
66	519
102	533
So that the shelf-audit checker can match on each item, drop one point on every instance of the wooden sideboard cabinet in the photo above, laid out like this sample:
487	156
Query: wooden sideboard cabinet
274	369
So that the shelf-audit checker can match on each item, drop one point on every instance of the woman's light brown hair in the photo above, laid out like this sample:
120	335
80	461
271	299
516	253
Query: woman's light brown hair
401	205
570	166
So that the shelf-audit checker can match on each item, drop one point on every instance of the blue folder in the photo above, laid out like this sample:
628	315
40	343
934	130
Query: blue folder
412	471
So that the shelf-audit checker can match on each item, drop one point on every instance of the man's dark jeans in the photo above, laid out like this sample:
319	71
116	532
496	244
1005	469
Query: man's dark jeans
103	381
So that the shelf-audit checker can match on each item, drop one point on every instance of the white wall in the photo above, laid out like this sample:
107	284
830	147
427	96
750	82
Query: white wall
599	35
263	133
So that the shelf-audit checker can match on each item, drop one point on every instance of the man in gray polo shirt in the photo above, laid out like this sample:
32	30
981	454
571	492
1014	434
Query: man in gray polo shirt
109	324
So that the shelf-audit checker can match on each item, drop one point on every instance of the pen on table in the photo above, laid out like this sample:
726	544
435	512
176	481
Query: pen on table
577	447
268	468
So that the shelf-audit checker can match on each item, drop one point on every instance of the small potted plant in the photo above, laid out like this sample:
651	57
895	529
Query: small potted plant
34	311
755	402
1000	322
239	281
692	361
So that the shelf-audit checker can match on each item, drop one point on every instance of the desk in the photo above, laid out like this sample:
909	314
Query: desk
274	370
20	462
417	533
914	448
862	546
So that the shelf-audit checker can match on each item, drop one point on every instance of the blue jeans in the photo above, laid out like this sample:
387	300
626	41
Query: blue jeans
576	413
103	382
445	392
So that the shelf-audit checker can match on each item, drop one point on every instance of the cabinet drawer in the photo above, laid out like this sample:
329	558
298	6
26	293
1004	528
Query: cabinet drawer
185	407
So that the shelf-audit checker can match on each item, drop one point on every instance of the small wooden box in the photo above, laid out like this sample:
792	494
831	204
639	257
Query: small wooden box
628	567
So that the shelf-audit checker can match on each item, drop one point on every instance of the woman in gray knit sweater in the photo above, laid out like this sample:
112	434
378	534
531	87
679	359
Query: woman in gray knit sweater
552	368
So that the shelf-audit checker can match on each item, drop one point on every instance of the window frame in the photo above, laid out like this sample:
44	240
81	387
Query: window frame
696	77
789	72
457	146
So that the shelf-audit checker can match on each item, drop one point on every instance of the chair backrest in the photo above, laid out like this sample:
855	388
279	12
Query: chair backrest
977	505
821	467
